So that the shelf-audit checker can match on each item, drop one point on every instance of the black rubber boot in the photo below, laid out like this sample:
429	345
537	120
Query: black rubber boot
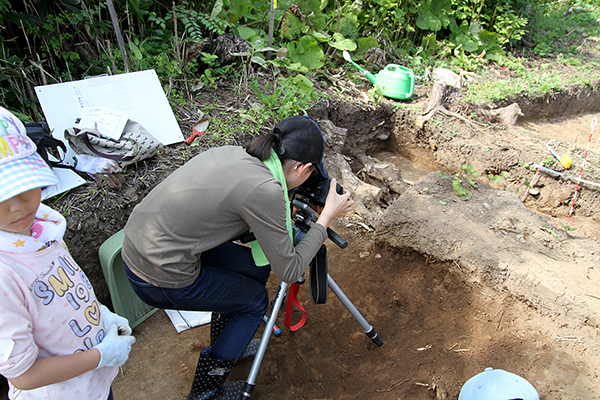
209	380
217	324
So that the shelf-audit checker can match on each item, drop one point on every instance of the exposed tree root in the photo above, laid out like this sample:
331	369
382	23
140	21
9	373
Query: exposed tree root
507	116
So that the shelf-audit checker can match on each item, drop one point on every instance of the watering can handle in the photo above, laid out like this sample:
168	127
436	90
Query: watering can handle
412	84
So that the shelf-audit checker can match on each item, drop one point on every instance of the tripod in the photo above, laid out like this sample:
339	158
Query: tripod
281	292
304	216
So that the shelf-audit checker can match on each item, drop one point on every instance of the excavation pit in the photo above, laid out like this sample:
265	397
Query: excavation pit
452	285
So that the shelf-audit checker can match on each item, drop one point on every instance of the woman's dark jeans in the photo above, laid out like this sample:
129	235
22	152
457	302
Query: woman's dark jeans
229	282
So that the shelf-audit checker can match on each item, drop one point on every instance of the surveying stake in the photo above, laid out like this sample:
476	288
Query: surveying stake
304	215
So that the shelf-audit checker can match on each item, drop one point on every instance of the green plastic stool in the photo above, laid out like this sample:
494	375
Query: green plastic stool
125	302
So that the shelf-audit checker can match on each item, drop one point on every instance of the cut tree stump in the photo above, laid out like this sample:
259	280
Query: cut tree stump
446	84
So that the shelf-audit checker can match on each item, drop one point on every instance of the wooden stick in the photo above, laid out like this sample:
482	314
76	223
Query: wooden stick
536	177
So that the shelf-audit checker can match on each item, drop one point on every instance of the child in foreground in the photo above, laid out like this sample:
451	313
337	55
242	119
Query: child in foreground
56	341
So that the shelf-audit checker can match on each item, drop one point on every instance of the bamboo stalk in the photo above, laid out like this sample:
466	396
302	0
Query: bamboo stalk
115	22
40	69
271	27
110	54
176	36
26	36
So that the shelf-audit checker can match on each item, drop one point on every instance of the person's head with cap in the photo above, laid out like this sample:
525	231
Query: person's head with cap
23	173
298	142
497	384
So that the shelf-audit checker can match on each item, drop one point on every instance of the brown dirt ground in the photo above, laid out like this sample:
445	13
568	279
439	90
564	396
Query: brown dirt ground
438	330
452	286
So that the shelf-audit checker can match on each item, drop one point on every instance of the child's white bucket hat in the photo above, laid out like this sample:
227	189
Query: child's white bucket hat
21	167
497	384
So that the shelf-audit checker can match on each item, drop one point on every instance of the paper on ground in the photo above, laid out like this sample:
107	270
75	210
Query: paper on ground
108	122
183	320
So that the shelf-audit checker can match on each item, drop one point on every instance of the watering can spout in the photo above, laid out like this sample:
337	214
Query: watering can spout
371	77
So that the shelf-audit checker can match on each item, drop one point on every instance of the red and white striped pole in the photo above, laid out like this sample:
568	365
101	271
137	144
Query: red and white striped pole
593	126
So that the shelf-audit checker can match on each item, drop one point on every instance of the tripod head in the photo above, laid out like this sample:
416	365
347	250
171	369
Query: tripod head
305	215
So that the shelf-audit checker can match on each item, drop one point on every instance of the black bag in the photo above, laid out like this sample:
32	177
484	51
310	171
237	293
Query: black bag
40	134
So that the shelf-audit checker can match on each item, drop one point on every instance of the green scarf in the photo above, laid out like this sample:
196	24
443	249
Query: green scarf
274	165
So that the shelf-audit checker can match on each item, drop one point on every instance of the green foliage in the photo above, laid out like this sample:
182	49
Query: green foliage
470	171
307	52
73	39
526	83
433	15
376	93
291	96
498	178
193	21
495	178
567	228
214	71
459	190
470	28
337	41
561	27
471	176
548	161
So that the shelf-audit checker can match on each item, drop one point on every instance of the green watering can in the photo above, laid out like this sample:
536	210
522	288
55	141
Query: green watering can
396	81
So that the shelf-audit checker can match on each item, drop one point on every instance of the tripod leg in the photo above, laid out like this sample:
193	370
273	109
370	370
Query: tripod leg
264	341
369	330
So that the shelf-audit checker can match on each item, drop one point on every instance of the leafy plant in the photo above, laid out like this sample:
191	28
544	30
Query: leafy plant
567	228
292	95
194	22
495	178
307	52
560	27
471	174
214	71
548	161
459	190
68	40
503	175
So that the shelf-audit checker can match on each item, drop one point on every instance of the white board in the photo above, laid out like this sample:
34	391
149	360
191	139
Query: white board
67	180
139	94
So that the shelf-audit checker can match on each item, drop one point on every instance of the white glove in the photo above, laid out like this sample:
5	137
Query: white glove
95	165
110	318
114	348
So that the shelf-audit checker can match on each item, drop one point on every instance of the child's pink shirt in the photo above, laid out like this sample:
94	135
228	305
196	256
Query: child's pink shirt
48	308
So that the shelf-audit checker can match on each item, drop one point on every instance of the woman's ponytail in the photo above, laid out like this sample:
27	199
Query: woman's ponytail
261	146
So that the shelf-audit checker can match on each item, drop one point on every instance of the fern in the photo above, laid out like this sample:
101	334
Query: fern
193	21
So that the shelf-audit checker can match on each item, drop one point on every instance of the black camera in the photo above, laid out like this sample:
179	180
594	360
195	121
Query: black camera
316	189
307	197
